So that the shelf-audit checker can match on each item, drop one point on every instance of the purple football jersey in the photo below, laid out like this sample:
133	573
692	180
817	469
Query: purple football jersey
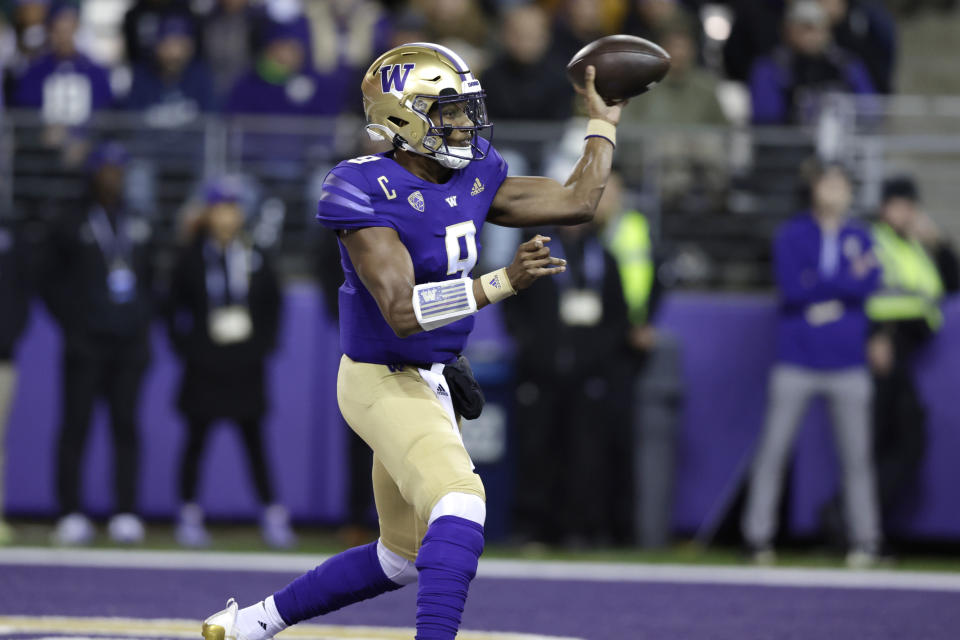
438	223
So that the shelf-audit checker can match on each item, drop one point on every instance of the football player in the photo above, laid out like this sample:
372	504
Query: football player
408	223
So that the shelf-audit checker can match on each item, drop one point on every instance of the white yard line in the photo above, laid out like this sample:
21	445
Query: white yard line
504	569
174	628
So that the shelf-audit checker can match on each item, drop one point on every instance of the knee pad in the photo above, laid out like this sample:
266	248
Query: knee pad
461	505
397	568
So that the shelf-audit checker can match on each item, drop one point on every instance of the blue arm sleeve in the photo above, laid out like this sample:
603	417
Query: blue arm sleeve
345	202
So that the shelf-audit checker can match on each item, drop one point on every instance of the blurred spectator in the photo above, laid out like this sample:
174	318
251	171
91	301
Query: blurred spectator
142	22
866	29
688	93
173	88
227	33
919	266
524	83
577	23
862	27
461	20
786	86
693	172
223	318
409	25
347	36
757	30
64	84
14	300
99	287
281	81
648	18
825	269
657	387
574	450
30	24
10	61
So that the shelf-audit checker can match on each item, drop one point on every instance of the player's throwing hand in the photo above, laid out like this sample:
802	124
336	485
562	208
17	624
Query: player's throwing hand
533	260
596	106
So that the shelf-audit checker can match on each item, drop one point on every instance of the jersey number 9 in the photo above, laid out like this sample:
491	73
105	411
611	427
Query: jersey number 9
456	260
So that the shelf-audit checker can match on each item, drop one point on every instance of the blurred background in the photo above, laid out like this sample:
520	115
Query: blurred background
168	330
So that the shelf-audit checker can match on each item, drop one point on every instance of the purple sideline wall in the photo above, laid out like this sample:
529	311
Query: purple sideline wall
727	341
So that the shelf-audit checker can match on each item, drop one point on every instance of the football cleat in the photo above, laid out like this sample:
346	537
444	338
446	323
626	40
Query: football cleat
223	624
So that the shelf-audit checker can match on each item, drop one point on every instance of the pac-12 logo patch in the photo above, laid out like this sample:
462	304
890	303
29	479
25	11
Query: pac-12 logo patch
416	201
393	77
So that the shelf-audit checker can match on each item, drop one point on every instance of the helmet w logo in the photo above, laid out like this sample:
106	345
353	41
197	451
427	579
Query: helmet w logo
393	77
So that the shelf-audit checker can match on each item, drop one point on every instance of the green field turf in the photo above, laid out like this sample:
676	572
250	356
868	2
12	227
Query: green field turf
324	541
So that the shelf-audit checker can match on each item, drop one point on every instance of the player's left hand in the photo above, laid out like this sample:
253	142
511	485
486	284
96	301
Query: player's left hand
533	261
596	106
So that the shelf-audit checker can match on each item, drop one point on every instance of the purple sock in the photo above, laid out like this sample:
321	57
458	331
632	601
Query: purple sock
347	577
447	562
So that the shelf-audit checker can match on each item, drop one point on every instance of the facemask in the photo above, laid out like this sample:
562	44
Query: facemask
456	157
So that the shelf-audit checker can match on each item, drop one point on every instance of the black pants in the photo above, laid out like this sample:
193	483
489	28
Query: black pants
900	430
574	460
198	430
116	375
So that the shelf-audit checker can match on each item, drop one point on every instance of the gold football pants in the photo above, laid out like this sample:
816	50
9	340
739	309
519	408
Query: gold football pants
417	456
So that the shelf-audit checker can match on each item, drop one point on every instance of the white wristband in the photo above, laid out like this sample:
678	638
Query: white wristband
440	303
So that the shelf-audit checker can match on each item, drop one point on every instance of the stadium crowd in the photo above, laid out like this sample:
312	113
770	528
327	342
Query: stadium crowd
587	348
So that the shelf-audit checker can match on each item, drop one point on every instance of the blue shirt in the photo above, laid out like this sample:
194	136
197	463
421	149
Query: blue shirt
821	319
171	103
440	226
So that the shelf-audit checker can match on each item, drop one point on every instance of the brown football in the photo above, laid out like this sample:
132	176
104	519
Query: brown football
626	66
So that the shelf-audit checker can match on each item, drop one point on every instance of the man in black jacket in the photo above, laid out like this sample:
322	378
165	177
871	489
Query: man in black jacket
99	287
572	389
14	301
223	317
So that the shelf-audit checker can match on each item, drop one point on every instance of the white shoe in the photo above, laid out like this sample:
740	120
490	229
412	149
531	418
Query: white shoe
126	528
862	559
73	530
223	624
190	531
275	527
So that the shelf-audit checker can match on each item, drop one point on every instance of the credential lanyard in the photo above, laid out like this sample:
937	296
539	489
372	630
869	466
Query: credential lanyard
237	276
114	243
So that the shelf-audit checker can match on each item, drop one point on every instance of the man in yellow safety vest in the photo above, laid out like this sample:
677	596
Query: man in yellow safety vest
919	267
658	387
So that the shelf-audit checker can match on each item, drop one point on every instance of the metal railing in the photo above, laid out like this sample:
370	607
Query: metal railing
714	195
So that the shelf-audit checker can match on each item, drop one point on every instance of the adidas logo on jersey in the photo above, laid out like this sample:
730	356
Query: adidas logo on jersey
477	187
452	201
441	391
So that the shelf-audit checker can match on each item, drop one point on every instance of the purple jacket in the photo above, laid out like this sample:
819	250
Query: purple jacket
67	91
782	81
821	321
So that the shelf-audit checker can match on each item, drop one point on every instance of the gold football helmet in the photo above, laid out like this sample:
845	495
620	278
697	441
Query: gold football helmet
402	86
